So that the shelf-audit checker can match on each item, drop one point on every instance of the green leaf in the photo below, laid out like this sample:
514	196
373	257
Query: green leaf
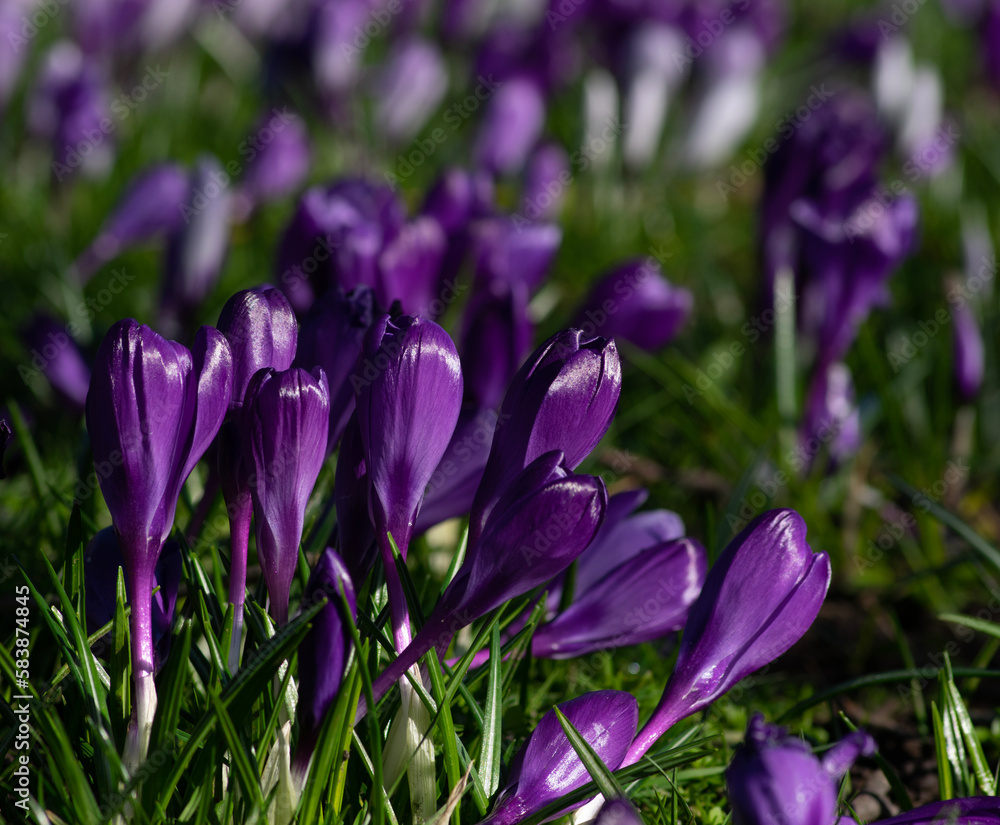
990	628
595	766
489	751
945	784
244	766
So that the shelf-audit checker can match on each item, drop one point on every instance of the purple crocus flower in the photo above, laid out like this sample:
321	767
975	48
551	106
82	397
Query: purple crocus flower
284	426
831	418
260	327
539	526
562	398
496	336
548	767
101	561
150	205
324	651
514	250
634	302
409	393
458	197
12	56
513	123
278	157
69	106
331	338
152	410
618	812
58	357
759	598
409	89
774	777
197	248
409	270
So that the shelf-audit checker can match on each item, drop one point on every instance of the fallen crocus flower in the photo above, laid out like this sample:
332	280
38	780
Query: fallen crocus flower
324	651
774	777
541	524
548	767
57	355
284	428
152	410
260	327
760	596
408	382
563	398
101	561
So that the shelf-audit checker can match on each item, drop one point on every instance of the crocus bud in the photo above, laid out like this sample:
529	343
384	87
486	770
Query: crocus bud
56	354
196	249
563	398
643	598
637	304
331	338
831	418
278	162
284	430
409	270
548	767
68	106
152	410
149	206
510	252
409	89
759	598
546	181
355	533
774	777
496	335
512	125
101	561
540	525
260	327
324	651
409	392
457	197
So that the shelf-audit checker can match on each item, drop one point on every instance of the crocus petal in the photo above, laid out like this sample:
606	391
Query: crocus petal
513	123
409	89
761	595
838	760
546	181
260	327
972	810
548	767
331	338
409	267
969	354
280	158
563	398
285	423
409	393
514	252
324	651
831	417
642	599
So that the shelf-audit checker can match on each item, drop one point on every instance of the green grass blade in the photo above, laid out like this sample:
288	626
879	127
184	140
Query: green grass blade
489	751
599	772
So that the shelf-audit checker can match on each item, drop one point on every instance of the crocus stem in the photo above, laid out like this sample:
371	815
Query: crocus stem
659	723
141	629
239	531
399	609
